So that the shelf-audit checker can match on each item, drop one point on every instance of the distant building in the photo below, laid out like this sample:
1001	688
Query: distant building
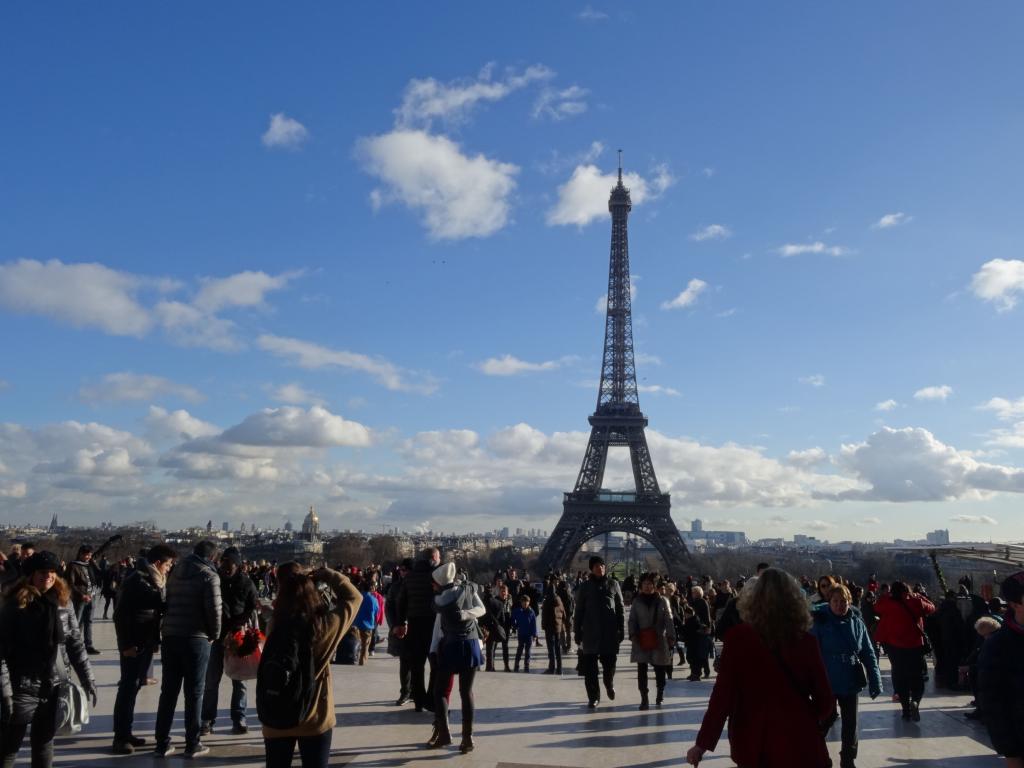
224	526
209	526
937	537
288	526
697	536
311	526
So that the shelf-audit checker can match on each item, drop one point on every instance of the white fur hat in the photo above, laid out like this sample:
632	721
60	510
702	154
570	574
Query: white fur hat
444	574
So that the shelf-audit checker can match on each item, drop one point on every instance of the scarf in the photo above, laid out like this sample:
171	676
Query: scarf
40	626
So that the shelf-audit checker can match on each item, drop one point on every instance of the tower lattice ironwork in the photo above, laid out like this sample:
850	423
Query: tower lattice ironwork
589	510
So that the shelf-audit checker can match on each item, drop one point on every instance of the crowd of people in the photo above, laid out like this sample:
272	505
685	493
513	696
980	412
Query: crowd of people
793	657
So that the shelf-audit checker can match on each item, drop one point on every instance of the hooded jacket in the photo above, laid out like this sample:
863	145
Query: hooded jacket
29	663
139	610
193	600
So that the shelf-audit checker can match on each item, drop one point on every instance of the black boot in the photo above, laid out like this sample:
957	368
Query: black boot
644	703
442	736
660	697
847	756
467	744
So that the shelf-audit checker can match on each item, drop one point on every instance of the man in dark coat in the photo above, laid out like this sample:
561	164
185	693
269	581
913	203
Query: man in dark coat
394	642
1001	676
137	616
598	625
238	609
84	576
416	624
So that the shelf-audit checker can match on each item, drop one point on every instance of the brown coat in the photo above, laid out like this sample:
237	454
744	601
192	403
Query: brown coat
552	615
338	621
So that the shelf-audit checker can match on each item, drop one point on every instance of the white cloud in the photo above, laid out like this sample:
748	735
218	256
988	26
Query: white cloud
284	133
658	389
112	462
910	464
187	326
1005	410
866	521
560	103
688	296
16	490
459	196
289	426
886	405
934	393
974	519
726	312
1007	438
1000	281
796	249
591	14
818	525
312	356
814	380
427	100
584	197
243	289
295	394
83	295
890	220
807	458
509	365
126	386
708	172
711	232
176	426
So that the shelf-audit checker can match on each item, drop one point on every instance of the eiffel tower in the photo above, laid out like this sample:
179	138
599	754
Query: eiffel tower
589	510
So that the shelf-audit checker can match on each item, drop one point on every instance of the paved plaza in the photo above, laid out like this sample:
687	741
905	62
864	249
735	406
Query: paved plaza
525	721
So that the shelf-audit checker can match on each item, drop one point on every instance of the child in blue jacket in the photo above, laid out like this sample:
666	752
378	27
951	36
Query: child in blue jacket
525	622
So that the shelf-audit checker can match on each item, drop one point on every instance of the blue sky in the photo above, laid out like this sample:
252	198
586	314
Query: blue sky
254	258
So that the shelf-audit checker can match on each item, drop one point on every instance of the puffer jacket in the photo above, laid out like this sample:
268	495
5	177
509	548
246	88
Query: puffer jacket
1001	687
600	616
193	600
416	596
844	641
19	677
139	610
552	614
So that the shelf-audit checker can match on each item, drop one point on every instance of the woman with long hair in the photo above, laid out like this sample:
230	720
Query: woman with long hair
300	606
771	685
901	632
457	643
653	637
39	644
850	662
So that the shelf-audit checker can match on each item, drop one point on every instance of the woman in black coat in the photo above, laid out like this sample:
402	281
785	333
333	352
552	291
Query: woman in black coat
39	643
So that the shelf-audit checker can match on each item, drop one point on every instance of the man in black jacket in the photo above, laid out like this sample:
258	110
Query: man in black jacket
394	643
238	609
137	615
599	629
1001	677
416	624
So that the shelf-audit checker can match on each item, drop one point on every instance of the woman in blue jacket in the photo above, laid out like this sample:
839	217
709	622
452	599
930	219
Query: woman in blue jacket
845	645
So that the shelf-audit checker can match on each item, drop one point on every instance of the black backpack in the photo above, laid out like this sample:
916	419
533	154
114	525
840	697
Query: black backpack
285	681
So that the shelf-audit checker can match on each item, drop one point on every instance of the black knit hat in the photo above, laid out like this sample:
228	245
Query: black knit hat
41	561
596	560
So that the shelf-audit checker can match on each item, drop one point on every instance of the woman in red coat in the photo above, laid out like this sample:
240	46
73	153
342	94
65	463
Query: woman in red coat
771	686
901	633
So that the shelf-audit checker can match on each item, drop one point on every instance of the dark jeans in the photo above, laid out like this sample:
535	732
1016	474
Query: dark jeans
588	665
554	651
848	711
659	677
41	714
184	661
83	612
697	657
214	671
404	675
314	751
134	671
491	643
909	671
523	648
416	648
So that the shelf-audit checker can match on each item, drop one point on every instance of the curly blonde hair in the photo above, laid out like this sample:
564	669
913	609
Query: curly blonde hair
775	606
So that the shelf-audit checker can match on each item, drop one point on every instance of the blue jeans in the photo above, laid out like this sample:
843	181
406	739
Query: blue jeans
134	671
213	675
83	613
184	661
315	751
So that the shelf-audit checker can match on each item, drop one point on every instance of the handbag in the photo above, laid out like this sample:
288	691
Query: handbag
243	667
860	676
647	638
72	706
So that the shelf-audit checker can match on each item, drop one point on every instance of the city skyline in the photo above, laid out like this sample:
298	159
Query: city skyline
246	269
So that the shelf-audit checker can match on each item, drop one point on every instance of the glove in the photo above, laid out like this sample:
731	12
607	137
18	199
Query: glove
94	698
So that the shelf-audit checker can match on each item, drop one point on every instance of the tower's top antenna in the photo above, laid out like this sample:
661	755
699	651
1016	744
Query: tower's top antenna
620	166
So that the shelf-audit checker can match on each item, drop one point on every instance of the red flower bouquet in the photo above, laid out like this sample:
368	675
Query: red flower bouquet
242	652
